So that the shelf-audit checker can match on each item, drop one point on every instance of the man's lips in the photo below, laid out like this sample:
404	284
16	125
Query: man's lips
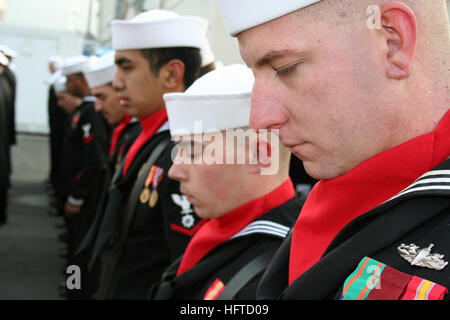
188	196
124	101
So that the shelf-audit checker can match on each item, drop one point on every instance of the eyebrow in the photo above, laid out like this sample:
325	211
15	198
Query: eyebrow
122	60
275	55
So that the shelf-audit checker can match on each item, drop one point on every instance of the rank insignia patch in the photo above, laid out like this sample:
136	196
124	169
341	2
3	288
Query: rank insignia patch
373	280
187	219
87	135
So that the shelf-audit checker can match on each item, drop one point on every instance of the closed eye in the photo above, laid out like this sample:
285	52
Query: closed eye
286	71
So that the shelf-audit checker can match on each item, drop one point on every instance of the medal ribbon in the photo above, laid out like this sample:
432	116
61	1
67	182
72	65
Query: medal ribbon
150	176
158	178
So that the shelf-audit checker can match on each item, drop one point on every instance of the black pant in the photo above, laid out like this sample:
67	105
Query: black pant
3	206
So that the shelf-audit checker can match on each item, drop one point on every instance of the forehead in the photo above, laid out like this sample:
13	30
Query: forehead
133	56
287	34
72	77
106	89
61	94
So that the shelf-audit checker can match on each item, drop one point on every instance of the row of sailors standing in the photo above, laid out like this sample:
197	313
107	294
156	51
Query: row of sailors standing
127	218
144	239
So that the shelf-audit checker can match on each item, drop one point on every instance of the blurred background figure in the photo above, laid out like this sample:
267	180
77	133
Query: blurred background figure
57	118
7	128
4	142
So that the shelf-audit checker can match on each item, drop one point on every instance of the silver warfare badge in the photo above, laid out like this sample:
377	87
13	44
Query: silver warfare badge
422	257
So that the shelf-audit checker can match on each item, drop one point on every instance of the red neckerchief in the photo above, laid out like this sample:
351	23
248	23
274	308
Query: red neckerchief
117	132
217	231
150	126
332	204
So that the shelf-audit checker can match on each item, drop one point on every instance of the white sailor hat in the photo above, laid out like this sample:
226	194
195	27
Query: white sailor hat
76	64
207	53
3	60
158	29
241	15
102	72
57	61
8	51
59	85
217	101
55	76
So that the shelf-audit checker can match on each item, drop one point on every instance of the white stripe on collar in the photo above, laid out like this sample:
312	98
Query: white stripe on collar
434	173
89	99
418	185
265	227
134	120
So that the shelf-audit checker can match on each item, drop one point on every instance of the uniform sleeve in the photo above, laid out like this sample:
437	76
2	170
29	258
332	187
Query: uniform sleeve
95	137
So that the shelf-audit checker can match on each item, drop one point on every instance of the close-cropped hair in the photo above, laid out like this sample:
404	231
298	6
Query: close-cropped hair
191	58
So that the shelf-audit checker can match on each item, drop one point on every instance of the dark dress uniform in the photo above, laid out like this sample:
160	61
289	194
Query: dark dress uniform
419	216
84	154
212	274
8	98
4	147
10	76
84	251
6	140
57	123
124	143
155	237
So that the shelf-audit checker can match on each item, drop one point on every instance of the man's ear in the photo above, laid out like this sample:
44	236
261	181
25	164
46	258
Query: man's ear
172	74
400	24
263	156
85	84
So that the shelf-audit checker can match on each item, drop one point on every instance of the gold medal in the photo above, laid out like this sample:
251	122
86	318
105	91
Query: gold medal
145	195
153	199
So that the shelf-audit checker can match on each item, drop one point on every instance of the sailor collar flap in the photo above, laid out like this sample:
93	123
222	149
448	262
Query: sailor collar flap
403	213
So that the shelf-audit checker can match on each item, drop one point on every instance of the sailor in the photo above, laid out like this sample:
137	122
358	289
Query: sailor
100	77
84	154
142	231
8	82
9	73
246	222
68	104
4	140
359	92
57	118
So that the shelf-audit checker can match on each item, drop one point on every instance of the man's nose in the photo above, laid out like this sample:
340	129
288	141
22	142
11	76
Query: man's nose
118	83
98	106
177	170
266	108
